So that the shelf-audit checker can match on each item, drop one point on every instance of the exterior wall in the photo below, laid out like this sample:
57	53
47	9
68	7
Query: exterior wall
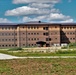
30	34
8	36
55	34
68	34
24	35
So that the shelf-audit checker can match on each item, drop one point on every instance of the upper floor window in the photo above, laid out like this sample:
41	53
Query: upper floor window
45	28
23	27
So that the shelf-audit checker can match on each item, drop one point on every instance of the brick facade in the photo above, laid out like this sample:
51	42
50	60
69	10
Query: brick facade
23	35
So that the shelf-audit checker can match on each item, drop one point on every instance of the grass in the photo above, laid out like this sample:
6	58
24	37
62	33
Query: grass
38	67
15	49
22	53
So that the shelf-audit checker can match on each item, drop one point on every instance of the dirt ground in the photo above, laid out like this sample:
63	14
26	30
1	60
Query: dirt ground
38	67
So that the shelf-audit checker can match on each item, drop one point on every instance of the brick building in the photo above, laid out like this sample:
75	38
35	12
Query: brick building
36	33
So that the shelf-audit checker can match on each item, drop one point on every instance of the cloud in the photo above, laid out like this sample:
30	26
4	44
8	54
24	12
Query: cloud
35	1
36	10
39	18
58	17
41	5
53	17
34	7
4	20
25	10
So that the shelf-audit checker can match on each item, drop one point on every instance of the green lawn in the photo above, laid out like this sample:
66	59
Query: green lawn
38	67
22	53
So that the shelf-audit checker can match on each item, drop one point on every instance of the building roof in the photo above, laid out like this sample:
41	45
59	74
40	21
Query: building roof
5	24
35	23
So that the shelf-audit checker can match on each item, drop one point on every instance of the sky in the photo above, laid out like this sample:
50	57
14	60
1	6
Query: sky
52	11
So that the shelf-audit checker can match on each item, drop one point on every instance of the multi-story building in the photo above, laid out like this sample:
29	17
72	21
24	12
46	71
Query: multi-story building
37	33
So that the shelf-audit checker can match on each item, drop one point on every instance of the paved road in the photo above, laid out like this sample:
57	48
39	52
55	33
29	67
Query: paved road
5	56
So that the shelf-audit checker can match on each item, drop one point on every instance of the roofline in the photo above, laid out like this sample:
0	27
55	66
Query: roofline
13	24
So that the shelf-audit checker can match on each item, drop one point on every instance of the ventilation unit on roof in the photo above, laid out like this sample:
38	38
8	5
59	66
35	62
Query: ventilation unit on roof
39	21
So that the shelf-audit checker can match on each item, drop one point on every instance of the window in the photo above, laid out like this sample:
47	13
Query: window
6	45
73	33
34	33
67	27
2	45
34	38
6	28
32	44
23	44
70	38
2	39
55	38
43	33
2	28
31	33
5	33
64	27
37	33
23	39
9	33
15	39
28	27
15	33
9	28
28	38
28	33
12	28
9	45
48	39
15	44
12	33
46	33
29	44
31	27
73	27
34	27
37	38
73	38
23	27
6	39
55	32
45	28
37	27
9	39
67	33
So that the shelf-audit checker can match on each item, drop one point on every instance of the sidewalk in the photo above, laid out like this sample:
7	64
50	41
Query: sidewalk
5	56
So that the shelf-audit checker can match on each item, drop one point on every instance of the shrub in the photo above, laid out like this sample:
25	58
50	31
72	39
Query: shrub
64	47
66	52
72	45
15	49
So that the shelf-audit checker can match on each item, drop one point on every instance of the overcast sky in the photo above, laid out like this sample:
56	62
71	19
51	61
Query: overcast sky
20	11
